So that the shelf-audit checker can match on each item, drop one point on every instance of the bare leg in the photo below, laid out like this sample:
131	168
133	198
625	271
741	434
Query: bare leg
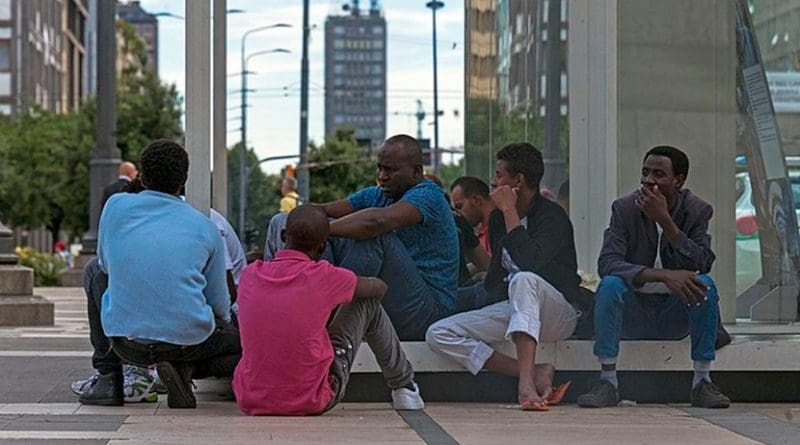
526	357
542	372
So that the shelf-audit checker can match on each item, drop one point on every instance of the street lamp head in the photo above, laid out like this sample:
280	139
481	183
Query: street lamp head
235	11
435	4
168	14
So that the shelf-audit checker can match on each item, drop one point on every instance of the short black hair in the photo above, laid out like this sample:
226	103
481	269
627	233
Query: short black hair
471	186
165	166
523	157
307	227
133	186
408	144
680	162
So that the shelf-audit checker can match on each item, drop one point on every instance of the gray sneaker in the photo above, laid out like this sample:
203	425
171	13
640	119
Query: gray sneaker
707	395
602	394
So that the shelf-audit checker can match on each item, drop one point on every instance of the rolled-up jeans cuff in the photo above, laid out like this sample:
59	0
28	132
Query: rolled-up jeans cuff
525	324
478	357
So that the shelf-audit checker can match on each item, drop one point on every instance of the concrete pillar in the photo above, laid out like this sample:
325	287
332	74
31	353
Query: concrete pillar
18	305
642	73
198	102
219	184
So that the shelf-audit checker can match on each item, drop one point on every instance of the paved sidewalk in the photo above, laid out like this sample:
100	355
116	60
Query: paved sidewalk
36	406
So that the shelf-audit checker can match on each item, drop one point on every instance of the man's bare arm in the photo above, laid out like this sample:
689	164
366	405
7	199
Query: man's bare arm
337	209
370	287
371	222
231	286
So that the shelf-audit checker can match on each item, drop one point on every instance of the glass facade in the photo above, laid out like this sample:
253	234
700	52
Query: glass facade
508	60
721	81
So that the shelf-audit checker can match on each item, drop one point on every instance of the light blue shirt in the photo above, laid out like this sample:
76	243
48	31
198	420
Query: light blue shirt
166	270
433	243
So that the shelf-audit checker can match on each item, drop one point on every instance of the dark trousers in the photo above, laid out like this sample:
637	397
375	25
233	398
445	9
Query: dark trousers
410	302
364	319
216	356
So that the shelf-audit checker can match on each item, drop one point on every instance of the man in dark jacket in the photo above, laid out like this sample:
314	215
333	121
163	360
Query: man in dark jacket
654	263
127	173
534	267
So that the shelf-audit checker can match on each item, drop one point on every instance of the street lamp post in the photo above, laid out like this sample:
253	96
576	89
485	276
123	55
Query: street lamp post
434	5
243	142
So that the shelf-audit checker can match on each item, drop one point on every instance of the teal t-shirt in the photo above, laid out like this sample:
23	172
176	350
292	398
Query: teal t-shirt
433	243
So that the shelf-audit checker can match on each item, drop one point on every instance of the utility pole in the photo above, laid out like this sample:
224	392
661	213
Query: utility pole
219	181
105	157
555	164
434	5
303	172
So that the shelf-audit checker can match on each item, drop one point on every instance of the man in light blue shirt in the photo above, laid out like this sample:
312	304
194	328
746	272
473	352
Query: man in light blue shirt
167	300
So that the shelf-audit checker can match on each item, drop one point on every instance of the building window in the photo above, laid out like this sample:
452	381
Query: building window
5	55
5	84
338	43
5	9
377	30
336	29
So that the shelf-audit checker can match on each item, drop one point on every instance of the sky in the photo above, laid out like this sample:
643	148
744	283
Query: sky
273	120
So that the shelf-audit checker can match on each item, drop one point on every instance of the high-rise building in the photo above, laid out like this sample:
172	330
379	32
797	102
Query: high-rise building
41	54
355	72
146	27
523	50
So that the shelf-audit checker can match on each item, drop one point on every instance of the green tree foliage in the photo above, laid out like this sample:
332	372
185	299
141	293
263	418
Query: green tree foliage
450	172
44	157
38	151
263	197
488	128
339	167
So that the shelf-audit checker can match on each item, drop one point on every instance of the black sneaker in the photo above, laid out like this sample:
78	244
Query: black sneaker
707	395
178	381
106	390
602	394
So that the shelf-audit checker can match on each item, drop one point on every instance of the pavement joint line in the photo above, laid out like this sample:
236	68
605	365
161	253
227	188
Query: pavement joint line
426	428
753	425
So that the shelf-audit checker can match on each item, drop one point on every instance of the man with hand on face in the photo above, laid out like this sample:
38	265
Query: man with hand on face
533	270
654	263
403	232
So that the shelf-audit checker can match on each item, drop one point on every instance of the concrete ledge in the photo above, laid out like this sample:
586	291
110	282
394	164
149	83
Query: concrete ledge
745	353
72	278
25	310
16	280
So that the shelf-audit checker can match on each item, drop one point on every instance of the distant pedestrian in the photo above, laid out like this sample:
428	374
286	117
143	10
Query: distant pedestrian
127	173
290	198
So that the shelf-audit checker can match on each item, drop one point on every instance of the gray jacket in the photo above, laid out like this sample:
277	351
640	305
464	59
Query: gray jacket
629	243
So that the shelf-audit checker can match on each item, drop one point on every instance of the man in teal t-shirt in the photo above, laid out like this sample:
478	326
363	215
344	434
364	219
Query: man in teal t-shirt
403	232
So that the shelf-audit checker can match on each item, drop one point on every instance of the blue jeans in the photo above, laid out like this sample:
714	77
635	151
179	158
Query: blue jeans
621	313
411	304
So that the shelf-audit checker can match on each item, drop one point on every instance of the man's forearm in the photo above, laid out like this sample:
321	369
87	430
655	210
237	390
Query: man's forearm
648	275
360	225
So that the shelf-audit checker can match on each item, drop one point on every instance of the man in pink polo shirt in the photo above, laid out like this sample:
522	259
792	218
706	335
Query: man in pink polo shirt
296	356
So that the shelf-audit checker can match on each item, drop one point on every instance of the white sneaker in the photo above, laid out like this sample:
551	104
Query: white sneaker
81	386
139	385
405	399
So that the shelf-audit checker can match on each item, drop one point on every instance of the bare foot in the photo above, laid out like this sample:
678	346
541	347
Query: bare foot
543	379
528	396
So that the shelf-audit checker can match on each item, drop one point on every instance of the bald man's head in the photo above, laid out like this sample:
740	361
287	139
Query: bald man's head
128	169
399	165
307	230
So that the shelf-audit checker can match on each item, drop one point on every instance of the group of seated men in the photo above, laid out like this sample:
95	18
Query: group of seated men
382	266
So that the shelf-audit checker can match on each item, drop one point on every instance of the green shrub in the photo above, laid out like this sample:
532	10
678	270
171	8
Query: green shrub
47	267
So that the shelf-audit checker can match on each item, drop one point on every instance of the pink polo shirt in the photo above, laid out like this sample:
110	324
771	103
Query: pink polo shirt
284	305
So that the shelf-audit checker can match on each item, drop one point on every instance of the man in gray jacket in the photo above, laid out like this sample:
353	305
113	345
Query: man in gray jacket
654	262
